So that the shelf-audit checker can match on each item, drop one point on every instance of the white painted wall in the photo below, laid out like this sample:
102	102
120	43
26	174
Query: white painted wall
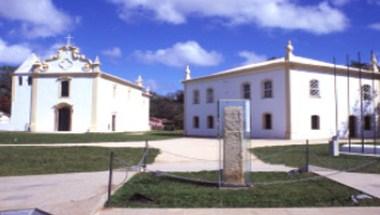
127	103
303	105
20	106
48	96
230	88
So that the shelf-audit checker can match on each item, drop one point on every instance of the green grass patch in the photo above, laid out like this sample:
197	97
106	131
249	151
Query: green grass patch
294	156
27	137
48	160
169	193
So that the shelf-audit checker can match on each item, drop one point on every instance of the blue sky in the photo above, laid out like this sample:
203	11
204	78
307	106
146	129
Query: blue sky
156	39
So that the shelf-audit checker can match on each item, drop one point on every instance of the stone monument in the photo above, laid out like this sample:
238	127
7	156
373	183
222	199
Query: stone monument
233	135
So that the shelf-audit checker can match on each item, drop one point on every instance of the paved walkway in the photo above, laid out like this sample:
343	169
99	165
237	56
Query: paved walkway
365	182
246	211
59	194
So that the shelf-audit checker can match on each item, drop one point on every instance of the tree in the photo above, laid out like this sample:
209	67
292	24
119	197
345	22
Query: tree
168	107
5	88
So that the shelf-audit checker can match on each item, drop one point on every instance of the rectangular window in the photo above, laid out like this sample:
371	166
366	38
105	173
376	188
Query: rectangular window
210	122
267	121
367	123
65	88
314	88
366	92
196	97
210	95
29	80
315	124
20	80
195	122
267	89
246	91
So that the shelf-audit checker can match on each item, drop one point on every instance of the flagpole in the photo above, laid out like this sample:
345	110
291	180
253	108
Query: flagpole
361	102
336	99
373	97
348	101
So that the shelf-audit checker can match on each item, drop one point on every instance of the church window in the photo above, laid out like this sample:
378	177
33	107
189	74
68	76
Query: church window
246	91
366	91
210	95
367	122
20	80
196	97
210	122
267	89
315	124
267	121
29	80
65	88
314	88
195	122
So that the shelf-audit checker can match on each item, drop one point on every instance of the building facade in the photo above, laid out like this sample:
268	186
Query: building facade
291	98
69	92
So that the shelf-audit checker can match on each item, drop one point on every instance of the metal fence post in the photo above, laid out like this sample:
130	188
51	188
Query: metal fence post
110	179
145	155
307	156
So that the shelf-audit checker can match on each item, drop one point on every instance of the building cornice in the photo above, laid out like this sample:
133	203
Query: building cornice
282	63
82	74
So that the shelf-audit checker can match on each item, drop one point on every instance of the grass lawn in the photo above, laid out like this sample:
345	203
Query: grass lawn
27	137
47	160
169	193
319	155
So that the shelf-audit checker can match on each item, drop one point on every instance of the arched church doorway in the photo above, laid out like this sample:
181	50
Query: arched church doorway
63	118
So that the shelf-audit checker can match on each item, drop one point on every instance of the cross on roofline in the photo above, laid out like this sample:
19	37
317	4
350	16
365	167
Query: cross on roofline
68	38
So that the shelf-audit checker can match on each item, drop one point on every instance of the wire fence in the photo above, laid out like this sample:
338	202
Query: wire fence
309	158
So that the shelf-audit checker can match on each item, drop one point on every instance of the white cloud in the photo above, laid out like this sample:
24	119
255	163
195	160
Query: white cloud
114	52
39	18
180	54
13	54
251	57
284	14
52	50
375	26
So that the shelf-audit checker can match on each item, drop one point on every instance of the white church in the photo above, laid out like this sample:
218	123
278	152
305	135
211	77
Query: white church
292	97
70	93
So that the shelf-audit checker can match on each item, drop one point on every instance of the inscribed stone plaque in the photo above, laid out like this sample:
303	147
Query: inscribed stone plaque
233	171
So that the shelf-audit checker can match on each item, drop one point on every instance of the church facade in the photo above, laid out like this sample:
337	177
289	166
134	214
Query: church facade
291	97
70	93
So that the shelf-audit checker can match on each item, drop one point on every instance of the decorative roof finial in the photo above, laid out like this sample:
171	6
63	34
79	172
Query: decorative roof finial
374	61
289	50
68	38
97	61
187	73
147	90
139	81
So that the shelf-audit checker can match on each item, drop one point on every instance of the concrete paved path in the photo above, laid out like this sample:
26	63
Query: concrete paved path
365	182
246	211
59	194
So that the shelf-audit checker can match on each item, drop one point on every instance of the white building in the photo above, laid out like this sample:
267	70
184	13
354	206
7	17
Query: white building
69	92
291	98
